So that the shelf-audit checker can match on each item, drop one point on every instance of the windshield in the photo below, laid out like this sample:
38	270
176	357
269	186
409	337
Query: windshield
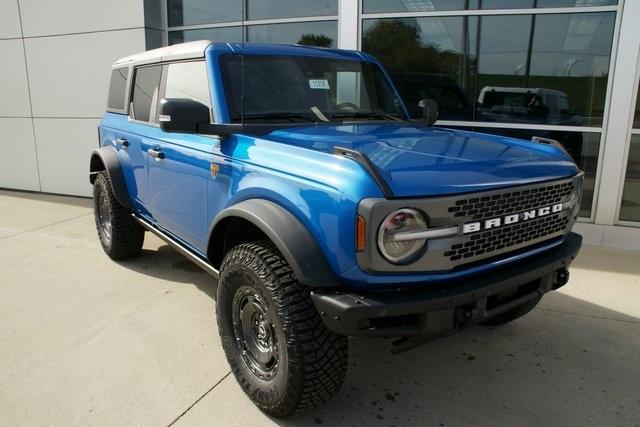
299	88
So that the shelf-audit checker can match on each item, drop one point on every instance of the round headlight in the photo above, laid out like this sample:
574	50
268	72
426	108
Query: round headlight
394	237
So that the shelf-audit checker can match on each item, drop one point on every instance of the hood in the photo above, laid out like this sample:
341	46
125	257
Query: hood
416	161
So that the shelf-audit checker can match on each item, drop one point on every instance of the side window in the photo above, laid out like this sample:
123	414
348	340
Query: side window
145	93
117	89
188	80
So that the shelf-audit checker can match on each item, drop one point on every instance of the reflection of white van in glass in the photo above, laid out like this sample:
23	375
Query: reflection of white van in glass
518	104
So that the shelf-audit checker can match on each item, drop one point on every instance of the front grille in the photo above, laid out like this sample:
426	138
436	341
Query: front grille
479	211
516	201
486	242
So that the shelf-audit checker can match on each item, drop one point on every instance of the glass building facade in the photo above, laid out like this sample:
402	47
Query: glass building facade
519	68
630	202
263	21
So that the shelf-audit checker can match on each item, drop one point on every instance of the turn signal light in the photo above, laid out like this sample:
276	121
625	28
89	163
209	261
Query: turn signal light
361	226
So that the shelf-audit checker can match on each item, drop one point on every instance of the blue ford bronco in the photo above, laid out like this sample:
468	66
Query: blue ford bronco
296	177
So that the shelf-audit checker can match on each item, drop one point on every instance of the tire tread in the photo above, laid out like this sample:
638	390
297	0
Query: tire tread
127	236
318	363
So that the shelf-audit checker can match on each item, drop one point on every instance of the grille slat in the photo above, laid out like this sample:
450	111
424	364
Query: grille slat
485	242
516	201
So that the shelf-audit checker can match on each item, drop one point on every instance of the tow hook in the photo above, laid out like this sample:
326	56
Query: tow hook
463	315
562	277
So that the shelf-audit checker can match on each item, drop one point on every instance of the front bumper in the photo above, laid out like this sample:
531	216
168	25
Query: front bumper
439	310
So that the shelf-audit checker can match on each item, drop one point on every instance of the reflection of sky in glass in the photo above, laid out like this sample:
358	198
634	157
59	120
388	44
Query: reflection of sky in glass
582	30
268	9
222	34
381	6
412	5
572	45
419	5
191	12
503	44
291	33
434	31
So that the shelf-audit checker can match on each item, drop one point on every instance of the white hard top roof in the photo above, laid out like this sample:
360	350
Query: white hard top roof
175	52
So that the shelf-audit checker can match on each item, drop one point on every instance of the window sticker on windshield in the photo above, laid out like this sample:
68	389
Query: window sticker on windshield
318	83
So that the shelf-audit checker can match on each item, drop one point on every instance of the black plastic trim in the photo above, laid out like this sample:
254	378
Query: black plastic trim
368	165
344	312
292	239
106	158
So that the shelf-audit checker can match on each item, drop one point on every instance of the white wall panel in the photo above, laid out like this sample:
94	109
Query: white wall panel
14	90
9	19
49	17
64	147
69	75
18	166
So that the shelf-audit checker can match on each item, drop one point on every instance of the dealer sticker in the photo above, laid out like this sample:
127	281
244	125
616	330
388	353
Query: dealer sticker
319	84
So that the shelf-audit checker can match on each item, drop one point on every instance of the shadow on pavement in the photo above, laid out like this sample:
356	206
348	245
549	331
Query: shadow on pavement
550	367
546	368
167	264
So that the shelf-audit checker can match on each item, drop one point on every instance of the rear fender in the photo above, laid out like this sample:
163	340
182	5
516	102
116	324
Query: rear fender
106	159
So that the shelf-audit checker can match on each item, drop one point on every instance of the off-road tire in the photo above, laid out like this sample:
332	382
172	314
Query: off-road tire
513	314
312	361
126	236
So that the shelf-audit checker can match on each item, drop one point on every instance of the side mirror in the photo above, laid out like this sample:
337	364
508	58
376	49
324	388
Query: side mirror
429	109
182	115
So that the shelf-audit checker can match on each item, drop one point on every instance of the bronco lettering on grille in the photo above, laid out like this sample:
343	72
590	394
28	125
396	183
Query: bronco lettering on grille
472	227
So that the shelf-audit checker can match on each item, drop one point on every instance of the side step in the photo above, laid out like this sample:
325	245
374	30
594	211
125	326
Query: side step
203	264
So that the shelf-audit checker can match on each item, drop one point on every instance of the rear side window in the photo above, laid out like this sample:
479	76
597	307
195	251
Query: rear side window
146	88
188	80
117	89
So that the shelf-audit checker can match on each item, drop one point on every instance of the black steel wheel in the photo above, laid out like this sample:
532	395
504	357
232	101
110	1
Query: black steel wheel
279	350
103	212
255	334
120	235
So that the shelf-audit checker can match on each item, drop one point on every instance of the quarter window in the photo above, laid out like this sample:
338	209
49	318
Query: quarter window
145	93
188	80
117	89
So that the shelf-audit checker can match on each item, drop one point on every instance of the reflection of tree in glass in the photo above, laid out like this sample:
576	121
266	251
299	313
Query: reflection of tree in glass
422	70
319	40
399	47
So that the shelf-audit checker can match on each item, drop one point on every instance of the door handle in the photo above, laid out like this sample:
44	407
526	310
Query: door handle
123	142
155	153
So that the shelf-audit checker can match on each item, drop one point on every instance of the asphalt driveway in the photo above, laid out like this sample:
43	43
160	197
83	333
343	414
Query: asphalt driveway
85	340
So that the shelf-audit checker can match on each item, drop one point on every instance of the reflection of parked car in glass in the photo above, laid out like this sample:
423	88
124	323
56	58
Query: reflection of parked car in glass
525	105
452	101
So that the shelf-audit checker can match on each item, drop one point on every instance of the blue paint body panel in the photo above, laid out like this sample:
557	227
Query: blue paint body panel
296	169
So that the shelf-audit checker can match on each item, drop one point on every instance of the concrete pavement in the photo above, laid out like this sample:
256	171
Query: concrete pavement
85	340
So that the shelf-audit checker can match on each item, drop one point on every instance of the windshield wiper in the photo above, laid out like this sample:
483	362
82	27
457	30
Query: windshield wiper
278	115
367	114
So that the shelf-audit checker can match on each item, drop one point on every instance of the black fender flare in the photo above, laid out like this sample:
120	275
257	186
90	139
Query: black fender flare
288	234
106	158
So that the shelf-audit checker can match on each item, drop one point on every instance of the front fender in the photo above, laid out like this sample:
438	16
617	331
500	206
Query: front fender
106	158
292	239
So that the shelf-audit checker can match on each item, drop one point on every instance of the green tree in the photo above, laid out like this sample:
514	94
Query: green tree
315	40
400	49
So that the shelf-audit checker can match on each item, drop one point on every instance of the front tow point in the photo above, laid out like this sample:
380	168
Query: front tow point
562	277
